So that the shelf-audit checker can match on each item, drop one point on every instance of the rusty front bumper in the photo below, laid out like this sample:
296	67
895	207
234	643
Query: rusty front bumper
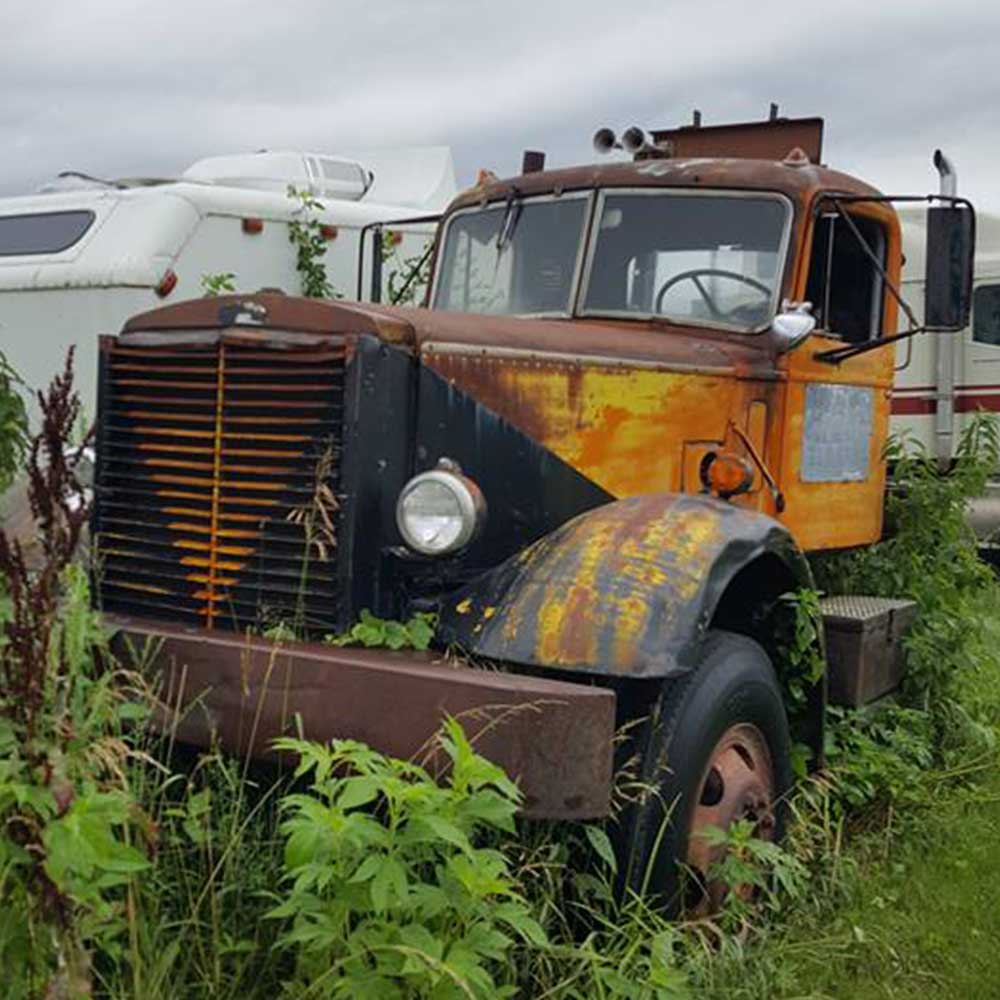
553	737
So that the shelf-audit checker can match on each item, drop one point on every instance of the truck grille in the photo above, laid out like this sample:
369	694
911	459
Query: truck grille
217	482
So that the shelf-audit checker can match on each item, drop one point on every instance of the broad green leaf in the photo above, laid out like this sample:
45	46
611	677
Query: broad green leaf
357	791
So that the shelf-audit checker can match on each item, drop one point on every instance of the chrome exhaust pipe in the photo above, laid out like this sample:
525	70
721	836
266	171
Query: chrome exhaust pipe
947	174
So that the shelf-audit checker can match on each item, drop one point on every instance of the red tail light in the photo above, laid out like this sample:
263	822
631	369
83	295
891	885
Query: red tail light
253	226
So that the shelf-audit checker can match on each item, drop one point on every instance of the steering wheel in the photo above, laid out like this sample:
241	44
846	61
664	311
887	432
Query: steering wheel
695	275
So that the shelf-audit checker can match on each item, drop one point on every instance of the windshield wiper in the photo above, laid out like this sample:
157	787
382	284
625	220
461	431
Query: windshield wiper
511	217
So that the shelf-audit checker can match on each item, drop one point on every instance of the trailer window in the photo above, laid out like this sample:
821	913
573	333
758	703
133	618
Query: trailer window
712	259
844	286
517	258
42	232
986	315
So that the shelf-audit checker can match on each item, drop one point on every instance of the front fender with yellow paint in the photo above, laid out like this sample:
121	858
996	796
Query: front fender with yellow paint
627	589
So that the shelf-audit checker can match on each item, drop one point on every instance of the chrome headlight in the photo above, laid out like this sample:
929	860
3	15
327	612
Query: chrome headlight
440	511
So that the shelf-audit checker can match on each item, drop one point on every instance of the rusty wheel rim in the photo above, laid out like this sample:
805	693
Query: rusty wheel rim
738	784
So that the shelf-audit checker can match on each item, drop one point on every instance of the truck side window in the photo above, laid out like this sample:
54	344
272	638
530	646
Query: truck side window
844	286
986	315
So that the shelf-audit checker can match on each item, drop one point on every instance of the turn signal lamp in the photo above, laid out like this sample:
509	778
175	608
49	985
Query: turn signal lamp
725	475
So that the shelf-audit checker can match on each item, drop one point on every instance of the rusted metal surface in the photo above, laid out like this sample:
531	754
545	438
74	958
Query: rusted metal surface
553	737
270	312
738	784
652	342
800	183
627	589
864	641
769	140
630	427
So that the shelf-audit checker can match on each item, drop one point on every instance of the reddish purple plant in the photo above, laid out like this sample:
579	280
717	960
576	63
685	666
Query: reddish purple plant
59	511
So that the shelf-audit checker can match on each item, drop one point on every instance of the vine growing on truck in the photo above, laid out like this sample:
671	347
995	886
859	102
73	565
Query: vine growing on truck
408	277
306	235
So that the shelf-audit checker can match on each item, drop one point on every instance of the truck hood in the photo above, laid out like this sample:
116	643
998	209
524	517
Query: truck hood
424	330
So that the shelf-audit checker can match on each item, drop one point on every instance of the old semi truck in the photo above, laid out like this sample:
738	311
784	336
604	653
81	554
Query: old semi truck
643	393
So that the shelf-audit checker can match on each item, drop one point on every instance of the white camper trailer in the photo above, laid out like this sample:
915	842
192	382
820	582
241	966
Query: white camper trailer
941	379
83	255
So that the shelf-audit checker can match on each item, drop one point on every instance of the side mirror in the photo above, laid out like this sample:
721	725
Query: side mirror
951	240
793	324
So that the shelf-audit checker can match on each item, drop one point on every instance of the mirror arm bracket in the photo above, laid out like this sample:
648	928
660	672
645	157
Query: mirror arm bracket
838	354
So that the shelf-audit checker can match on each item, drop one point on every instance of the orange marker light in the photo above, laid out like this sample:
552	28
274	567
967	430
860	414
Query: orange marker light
725	475
167	283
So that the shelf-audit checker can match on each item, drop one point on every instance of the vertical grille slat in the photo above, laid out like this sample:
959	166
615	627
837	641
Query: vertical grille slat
206	476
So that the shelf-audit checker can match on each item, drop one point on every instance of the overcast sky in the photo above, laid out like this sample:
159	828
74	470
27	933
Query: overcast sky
123	88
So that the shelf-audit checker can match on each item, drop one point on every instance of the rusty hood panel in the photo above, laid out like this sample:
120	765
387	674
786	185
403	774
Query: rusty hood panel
264	312
627	589
264	315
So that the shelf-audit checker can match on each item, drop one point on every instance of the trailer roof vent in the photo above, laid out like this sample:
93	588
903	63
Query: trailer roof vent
327	176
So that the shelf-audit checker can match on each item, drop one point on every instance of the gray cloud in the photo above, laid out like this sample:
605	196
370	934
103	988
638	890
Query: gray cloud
120	88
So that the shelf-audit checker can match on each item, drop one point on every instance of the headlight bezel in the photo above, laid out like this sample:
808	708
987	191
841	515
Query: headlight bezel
469	500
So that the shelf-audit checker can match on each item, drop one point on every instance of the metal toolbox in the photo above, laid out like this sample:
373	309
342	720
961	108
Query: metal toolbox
864	645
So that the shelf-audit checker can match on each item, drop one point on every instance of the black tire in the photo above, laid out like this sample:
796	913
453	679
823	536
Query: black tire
733	687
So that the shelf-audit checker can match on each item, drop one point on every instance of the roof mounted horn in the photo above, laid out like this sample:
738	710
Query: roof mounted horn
636	142
605	141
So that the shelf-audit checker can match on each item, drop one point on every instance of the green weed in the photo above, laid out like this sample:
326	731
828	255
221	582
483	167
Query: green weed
220	283
306	235
417	632
391	891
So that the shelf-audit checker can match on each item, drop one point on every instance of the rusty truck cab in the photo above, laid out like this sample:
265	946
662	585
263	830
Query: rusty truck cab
642	392
676	278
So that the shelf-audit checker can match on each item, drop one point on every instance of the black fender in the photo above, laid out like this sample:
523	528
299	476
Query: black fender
627	589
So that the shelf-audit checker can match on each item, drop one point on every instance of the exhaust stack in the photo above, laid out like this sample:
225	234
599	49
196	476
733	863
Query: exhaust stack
944	416
947	174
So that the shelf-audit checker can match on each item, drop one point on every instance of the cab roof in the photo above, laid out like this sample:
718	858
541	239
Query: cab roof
797	179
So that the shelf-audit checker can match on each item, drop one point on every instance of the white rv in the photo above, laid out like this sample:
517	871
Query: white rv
82	255
942	378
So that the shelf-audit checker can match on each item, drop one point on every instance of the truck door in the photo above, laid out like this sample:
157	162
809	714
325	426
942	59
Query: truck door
836	415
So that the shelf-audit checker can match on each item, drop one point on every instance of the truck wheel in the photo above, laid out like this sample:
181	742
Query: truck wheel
718	752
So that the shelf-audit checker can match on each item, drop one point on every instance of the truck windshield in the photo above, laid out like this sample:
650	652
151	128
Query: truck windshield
515	258
713	259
